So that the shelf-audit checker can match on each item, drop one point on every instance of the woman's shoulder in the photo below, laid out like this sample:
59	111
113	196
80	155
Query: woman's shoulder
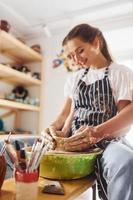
76	74
120	68
79	72
71	82
73	76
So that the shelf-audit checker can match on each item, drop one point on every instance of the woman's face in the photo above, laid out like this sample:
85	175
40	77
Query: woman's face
80	52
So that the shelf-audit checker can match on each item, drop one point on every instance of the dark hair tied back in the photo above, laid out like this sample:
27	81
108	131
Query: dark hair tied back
88	33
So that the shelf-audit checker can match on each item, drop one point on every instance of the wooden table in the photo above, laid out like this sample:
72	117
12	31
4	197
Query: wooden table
73	189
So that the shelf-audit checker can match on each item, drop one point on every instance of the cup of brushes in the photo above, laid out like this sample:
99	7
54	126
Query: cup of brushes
26	181
26	167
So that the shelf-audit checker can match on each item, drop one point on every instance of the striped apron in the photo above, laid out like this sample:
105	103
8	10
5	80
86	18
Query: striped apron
93	105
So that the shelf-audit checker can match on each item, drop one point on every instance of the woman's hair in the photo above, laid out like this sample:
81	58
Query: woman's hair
88	33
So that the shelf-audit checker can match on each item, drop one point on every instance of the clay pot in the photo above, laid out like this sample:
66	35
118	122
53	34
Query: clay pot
4	25
2	170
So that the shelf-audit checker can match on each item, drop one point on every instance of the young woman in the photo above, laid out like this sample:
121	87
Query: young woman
96	94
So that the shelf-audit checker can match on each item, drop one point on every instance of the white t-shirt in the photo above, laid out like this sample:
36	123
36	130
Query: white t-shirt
120	77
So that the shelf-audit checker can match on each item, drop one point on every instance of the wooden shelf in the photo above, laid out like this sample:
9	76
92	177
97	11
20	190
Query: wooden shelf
15	105
10	75
12	47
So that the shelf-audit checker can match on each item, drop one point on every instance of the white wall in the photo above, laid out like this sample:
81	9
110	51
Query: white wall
53	87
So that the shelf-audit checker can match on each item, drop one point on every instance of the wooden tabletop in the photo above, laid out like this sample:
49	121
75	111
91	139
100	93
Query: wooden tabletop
73	189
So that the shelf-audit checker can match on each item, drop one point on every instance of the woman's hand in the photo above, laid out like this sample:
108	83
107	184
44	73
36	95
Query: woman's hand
59	143
53	132
81	140
55	137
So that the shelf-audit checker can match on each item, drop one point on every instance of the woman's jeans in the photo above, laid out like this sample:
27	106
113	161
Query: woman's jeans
117	165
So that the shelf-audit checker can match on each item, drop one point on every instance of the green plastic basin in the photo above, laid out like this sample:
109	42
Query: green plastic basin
55	165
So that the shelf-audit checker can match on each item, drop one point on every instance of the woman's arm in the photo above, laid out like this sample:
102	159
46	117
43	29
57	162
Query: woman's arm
62	116
111	128
120	122
68	123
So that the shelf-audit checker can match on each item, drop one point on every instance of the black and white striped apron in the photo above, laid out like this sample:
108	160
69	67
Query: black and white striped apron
93	105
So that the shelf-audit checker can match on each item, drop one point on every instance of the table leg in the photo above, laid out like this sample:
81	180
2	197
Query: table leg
94	192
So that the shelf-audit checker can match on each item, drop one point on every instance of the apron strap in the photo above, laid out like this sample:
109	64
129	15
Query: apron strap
106	72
